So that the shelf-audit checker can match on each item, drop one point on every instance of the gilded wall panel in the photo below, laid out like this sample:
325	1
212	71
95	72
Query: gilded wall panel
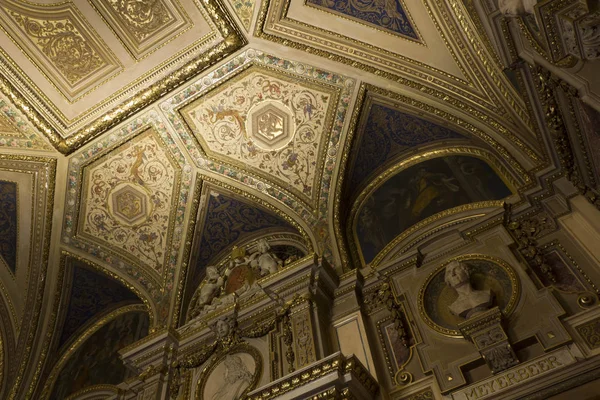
144	26
61	43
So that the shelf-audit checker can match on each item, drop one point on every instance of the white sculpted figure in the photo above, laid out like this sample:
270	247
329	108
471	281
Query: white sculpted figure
469	301
208	291
266	261
514	8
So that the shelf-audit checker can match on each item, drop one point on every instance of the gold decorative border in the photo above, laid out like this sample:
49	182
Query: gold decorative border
216	360
233	40
359	203
94	388
510	305
51	380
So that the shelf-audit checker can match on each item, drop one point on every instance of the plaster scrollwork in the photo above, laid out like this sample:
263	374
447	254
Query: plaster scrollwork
238	282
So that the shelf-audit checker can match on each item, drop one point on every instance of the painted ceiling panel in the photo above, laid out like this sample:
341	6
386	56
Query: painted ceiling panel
92	293
227	220
385	132
388	15
268	122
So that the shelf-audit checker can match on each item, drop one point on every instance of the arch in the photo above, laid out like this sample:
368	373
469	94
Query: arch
419	191
101	342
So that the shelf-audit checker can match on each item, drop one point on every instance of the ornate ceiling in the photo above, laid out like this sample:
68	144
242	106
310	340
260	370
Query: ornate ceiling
140	141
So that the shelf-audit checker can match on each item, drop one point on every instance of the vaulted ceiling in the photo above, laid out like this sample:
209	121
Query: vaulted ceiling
140	141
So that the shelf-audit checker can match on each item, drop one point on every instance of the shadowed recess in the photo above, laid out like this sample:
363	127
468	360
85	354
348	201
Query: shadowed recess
92	293
8	224
97	360
388	15
388	132
421	191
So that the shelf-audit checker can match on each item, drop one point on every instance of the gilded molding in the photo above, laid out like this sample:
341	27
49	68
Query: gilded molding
233	40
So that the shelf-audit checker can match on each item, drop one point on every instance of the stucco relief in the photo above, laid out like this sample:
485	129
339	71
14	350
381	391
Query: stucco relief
128	199
268	122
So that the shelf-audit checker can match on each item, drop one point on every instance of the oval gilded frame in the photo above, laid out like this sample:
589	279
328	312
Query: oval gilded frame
219	358
511	302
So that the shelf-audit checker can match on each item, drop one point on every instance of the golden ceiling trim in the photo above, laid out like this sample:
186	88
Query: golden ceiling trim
45	177
232	41
414	107
94	388
136	47
51	380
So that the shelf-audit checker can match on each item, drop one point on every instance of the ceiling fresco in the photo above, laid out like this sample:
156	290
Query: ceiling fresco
141	141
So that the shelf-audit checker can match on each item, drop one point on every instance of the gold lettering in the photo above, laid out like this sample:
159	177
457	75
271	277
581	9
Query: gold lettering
554	362
543	364
511	377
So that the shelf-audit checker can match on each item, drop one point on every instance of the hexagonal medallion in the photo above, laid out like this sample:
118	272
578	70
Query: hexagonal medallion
270	124
129	203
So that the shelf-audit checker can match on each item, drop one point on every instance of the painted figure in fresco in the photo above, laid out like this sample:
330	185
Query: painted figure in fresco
469	301
235	381
264	259
430	188
513	8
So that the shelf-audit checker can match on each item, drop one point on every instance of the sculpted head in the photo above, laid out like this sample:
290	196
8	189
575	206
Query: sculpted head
457	274
263	246
222	327
212	273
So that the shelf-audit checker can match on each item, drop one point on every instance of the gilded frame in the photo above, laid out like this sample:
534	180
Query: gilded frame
218	358
510	305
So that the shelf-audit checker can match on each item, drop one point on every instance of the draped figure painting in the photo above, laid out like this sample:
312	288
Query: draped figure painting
422	191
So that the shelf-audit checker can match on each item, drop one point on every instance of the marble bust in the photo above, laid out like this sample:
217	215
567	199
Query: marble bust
469	301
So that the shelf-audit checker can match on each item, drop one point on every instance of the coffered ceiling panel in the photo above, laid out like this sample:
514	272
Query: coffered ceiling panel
127	199
75	61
